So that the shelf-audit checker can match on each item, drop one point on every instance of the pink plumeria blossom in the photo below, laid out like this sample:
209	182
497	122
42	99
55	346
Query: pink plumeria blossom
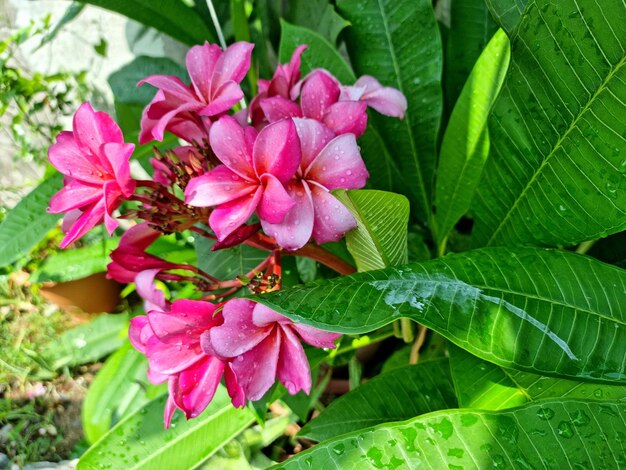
186	111
171	342
263	346
385	100
328	163
95	162
252	176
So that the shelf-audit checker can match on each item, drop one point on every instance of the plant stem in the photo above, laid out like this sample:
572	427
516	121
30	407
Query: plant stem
324	257
407	330
419	342
356	344
584	247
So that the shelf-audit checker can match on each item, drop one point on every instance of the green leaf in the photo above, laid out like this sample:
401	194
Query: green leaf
544	311
124	81
87	343
395	396
230	263
320	53
397	41
172	17
71	13
317	15
465	144
556	173
471	28
550	434
28	222
480	384
140	441
380	239
68	265
119	388
506	13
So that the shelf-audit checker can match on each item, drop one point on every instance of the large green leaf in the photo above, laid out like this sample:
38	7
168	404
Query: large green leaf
119	388
506	13
380	239
397	41
317	15
69	265
465	145
471	28
140	441
549	434
556	174
28	222
172	17
230	263
480	384
545	311
398	395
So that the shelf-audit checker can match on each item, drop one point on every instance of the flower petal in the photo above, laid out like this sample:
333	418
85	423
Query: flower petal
293	367
69	159
168	411
277	150
235	392
195	387
171	85
224	98
218	186
91	217
200	61
92	129
238	333
184	323
118	156
385	100
74	195
256	369
332	218
228	141
137	333
228	217
313	138
339	165
154	299
347	117
315	337
319	91
277	108
264	316
276	202
296	228
232	65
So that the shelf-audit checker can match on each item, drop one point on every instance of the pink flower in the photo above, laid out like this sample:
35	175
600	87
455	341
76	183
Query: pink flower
264	345
171	342
385	100
94	160
254	172
328	163
182	109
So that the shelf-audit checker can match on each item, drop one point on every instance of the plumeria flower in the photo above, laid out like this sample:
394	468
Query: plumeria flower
95	162
171	341
252	176
263	346
186	111
328	163
385	100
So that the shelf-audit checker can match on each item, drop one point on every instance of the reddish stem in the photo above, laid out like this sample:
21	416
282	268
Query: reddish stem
324	257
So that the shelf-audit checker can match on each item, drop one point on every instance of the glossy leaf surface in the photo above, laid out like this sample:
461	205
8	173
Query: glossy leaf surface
506	13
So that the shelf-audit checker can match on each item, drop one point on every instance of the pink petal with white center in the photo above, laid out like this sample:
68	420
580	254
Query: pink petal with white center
320	90
277	108
200	62
293	367
118	156
313	138
91	217
264	316
69	159
315	337
296	228
332	218
154	299
74	195
351	93
172	86
196	386
339	165
256	369
237	334
224	98
228	217
228	141
235	392
92	129
347	117
232	65
277	150
218	186
276	202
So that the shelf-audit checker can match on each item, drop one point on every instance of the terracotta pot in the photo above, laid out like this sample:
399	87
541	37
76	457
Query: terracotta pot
84	297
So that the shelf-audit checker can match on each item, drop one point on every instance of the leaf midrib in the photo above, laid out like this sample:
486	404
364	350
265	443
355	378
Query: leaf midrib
603	86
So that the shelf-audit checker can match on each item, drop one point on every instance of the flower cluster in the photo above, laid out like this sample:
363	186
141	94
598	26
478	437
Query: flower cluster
277	160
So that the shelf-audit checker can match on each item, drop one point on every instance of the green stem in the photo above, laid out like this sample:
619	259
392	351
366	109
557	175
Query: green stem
361	342
584	247
407	330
